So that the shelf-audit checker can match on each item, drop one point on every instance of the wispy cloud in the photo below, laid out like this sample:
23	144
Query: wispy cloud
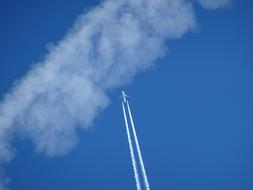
214	4
4	181
105	49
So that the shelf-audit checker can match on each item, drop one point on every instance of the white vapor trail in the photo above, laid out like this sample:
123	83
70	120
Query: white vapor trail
138	150
136	174
105	49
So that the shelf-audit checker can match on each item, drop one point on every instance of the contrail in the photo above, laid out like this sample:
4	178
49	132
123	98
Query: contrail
136	174
138	150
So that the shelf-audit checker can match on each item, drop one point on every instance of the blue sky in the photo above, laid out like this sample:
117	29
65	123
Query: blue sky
193	109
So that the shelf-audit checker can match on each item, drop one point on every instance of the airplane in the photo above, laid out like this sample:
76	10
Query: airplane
124	96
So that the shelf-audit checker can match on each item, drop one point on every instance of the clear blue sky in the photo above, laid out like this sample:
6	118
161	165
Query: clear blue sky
193	110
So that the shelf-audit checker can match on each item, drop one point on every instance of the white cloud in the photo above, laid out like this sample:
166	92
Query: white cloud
214	4
3	181
107	47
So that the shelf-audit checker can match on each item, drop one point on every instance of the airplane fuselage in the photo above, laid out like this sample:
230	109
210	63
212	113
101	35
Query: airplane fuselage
124	97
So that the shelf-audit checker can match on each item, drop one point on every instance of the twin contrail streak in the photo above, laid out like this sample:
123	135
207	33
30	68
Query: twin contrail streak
124	97
136	175
138	150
